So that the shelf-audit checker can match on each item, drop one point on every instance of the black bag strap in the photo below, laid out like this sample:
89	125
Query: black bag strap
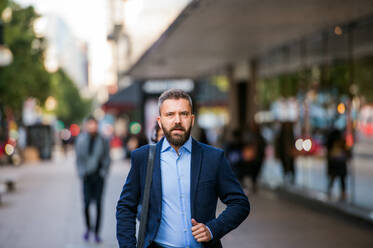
146	196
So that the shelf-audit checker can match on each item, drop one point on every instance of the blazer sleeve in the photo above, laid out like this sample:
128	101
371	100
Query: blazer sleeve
232	195
127	207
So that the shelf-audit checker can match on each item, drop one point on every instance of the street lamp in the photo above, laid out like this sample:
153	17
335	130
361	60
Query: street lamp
6	56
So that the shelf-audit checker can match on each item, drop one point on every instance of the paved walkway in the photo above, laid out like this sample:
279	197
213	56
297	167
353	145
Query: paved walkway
45	211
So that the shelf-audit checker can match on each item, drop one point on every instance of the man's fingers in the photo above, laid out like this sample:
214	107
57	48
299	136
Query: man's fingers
198	231
196	227
200	236
203	238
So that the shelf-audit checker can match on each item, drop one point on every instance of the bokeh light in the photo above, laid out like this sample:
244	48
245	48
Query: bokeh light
299	144
50	103
65	134
74	129
338	30
135	128
341	108
307	145
9	149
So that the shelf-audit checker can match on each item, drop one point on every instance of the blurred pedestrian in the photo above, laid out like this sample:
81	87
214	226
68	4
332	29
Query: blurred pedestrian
157	133
203	136
253	154
65	137
93	161
338	155
285	151
135	141
233	150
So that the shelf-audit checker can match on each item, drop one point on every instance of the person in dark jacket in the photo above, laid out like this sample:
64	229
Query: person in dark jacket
233	151
285	142
253	154
93	161
337	158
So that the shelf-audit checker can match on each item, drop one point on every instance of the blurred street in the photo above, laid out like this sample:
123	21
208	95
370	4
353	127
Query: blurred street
45	211
46	208
312	174
283	87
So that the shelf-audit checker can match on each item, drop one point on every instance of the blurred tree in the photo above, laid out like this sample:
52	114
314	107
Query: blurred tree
284	85
338	77
25	76
363	78
71	107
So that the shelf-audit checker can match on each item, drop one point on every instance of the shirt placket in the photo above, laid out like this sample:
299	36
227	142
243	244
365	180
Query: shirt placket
182	200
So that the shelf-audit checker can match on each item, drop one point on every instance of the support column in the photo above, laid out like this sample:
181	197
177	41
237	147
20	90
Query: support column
233	100
251	105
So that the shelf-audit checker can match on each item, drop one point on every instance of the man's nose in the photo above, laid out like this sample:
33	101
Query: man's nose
177	118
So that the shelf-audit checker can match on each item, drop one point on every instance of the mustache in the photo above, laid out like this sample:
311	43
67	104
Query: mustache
178	127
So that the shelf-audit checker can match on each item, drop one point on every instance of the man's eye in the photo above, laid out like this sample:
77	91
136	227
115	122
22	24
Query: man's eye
185	113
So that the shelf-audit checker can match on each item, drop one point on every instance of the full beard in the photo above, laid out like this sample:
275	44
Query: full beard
177	139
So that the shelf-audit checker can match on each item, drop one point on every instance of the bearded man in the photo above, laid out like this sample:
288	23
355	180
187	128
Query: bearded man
188	178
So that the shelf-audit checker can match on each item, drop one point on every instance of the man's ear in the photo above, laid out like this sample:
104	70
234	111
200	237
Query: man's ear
159	121
193	117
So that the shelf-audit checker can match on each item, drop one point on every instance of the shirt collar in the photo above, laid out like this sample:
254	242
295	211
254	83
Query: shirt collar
187	145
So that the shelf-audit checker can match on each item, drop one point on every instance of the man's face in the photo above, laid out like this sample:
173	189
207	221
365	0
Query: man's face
176	120
91	127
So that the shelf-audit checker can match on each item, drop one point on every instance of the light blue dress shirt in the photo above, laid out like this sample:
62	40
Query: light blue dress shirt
175	227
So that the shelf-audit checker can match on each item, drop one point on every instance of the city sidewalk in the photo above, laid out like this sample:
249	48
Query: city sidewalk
46	211
46	208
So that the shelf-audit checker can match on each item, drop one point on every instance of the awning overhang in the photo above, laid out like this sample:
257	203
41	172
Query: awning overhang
209	35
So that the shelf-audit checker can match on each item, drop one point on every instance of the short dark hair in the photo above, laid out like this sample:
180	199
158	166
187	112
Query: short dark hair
91	118
174	94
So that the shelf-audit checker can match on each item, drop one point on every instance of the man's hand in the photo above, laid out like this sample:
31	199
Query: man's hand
200	232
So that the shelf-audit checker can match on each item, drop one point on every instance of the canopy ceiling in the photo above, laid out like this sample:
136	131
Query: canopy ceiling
211	34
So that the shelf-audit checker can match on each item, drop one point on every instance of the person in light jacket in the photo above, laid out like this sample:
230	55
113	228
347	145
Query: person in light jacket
93	161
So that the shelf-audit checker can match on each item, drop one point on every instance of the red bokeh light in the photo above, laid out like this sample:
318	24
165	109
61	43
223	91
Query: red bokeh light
74	129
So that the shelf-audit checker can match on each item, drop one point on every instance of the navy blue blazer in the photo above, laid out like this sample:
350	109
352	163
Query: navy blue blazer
211	177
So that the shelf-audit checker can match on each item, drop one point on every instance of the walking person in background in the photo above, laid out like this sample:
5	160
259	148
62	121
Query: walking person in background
285	151
233	152
93	161
337	157
135	141
187	180
253	154
157	133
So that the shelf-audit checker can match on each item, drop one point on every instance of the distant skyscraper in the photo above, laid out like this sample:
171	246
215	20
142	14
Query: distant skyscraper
66	51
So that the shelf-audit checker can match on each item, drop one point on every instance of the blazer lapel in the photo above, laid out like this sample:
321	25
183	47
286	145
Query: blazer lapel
157	176
195	172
